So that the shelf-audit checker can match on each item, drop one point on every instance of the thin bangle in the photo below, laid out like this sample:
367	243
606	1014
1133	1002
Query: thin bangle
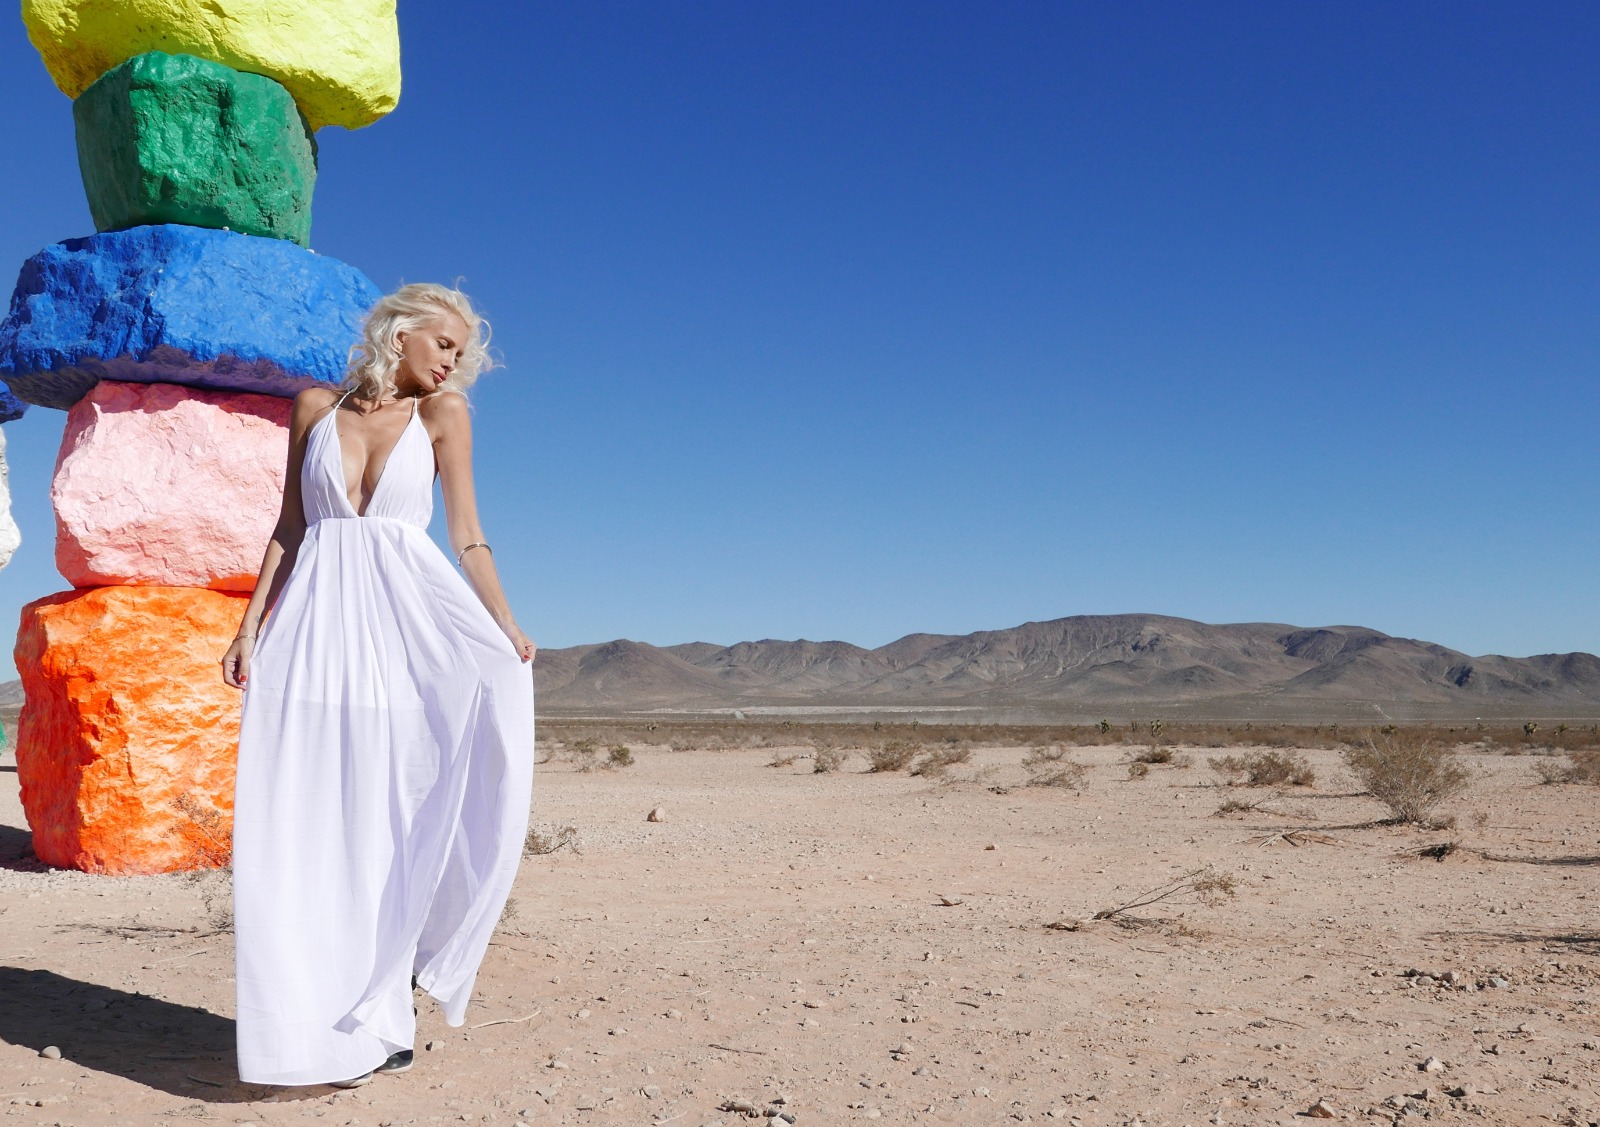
469	547
236	637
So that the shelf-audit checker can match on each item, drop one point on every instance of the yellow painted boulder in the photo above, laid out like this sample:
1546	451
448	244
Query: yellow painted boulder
339	58
128	737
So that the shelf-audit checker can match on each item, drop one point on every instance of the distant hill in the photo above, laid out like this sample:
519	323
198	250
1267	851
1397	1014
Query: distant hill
1122	666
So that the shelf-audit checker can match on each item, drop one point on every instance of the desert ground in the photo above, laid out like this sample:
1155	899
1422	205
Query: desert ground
849	946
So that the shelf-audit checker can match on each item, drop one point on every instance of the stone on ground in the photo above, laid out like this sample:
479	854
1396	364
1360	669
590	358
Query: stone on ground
126	743
339	58
178	304
177	139
168	486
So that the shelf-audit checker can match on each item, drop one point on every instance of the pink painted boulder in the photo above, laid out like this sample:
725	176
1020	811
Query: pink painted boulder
161	485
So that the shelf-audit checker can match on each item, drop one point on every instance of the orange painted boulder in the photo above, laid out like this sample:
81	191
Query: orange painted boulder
169	486
128	736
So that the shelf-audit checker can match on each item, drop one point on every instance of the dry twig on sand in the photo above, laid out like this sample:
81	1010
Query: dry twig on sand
541	844
1205	884
509	1020
1296	838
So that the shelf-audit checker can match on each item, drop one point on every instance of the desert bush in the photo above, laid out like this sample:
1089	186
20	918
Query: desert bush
937	762
211	843
618	755
1039	756
540	842
1264	769
1064	773
1234	806
584	753
1575	767
1155	753
896	755
784	758
1138	769
825	760
1408	772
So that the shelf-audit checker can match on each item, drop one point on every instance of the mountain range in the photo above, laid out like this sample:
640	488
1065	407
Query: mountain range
1080	666
1125	666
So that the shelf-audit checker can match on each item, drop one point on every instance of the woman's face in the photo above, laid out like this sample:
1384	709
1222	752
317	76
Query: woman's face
429	354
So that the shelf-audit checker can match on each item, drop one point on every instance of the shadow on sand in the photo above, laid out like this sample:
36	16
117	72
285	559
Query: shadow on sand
1555	943
16	849
162	1045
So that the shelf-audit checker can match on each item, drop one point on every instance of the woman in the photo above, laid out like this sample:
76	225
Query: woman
386	743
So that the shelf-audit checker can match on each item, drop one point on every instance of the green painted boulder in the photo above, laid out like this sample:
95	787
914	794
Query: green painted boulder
176	139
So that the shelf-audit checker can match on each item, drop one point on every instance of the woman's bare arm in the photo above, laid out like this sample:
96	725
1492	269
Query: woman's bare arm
450	425
278	560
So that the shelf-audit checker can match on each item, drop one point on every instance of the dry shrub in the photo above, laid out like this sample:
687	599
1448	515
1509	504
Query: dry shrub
1066	775
825	760
1138	769
896	755
584	753
618	755
1408	772
1234	806
216	894
1039	756
211	842
1579	767
1155	753
936	763
1264	769
784	758
539	842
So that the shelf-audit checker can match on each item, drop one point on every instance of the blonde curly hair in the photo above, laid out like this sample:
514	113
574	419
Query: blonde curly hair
374	359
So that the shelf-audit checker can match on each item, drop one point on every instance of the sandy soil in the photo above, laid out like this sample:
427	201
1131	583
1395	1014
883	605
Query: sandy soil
782	936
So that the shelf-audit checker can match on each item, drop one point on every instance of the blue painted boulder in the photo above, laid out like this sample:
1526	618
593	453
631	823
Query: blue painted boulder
183	305
10	406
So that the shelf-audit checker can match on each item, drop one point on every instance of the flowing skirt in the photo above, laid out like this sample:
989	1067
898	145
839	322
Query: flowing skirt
385	773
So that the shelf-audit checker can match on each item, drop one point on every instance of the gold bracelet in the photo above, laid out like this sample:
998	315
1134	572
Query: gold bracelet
469	547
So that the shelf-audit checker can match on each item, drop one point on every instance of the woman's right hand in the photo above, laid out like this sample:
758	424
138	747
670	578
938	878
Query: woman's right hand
236	662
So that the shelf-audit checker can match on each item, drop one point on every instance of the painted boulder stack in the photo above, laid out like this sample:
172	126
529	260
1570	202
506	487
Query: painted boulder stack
175	139
174	339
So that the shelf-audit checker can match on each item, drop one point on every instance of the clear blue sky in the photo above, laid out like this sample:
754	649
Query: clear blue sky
842	320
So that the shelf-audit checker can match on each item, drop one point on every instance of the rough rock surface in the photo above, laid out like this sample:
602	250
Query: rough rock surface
168	486
177	139
10	406
177	304
126	743
10	534
339	58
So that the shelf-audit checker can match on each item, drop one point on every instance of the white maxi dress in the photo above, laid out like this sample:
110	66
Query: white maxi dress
385	773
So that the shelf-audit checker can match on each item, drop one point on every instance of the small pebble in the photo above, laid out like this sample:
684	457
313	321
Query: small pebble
432	1045
1432	1064
1322	1110
659	814
50	1052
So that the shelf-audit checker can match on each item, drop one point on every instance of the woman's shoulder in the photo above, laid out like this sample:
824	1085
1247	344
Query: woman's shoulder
447	410
312	402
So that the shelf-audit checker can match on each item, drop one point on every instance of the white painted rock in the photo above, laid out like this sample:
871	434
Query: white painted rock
161	485
10	534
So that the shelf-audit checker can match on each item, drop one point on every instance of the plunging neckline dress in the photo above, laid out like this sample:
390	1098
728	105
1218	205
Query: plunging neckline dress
385	773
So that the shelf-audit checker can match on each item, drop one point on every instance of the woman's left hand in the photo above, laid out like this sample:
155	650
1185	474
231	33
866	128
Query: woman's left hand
524	644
